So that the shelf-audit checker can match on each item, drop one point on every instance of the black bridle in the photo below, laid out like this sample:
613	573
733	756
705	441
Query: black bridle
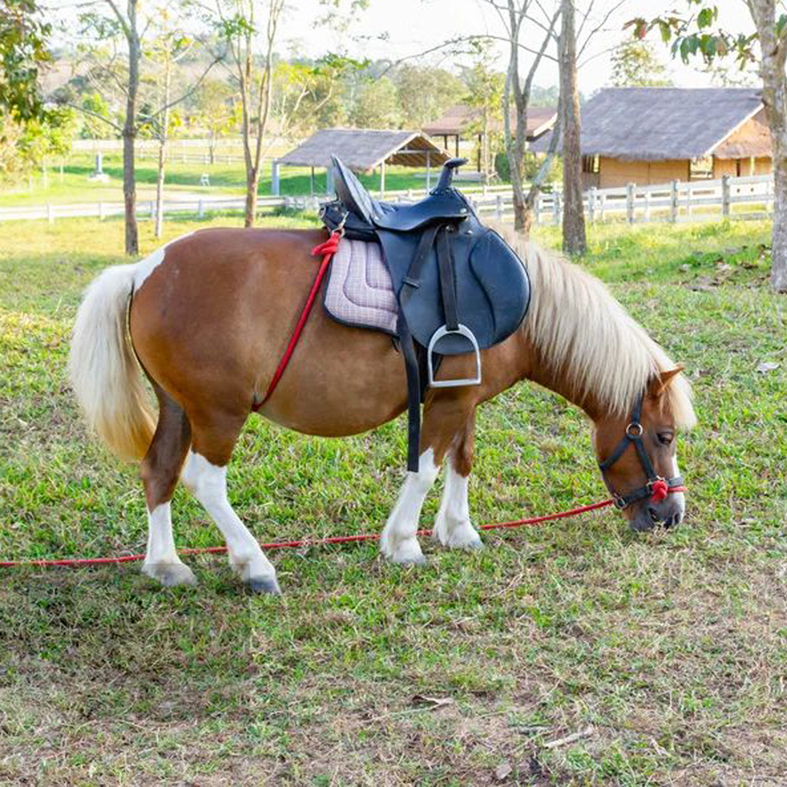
657	487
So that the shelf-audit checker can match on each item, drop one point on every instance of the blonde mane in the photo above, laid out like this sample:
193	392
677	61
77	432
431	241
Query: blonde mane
577	324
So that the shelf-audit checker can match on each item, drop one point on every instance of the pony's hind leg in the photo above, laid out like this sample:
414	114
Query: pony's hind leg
160	471
205	474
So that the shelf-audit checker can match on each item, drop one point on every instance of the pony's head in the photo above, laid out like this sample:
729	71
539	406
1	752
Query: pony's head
637	454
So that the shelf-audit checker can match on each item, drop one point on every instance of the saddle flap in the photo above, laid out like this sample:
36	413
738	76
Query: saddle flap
492	291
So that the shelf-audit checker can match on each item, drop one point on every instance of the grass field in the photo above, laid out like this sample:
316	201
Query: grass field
671	647
225	180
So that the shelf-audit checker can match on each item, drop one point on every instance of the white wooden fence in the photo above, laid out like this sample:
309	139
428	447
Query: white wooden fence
701	200
727	198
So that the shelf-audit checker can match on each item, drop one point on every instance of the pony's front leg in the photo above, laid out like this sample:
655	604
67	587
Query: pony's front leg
452	525
399	541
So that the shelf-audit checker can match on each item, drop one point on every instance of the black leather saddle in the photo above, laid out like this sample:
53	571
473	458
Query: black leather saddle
459	286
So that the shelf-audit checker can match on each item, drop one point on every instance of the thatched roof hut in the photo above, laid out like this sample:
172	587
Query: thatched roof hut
651	135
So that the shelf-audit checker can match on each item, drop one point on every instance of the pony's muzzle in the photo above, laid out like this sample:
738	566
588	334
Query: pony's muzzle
666	513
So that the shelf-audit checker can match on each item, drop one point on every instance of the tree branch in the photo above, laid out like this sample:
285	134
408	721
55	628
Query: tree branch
90	112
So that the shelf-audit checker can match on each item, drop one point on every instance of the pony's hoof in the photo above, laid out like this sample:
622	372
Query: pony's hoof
265	585
170	574
475	546
412	560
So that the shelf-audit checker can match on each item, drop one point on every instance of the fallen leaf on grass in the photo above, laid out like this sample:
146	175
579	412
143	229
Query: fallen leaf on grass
502	771
431	702
768	366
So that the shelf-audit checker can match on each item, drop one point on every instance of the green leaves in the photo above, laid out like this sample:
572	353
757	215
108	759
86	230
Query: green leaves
693	35
23	52
707	16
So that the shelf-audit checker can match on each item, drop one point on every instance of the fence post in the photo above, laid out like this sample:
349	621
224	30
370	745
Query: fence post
689	196
647	204
499	208
602	207
592	203
556	207
630	203
673	201
725	196
201	209
537	208
50	213
152	209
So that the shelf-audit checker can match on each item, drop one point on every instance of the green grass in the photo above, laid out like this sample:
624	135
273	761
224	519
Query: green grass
225	179
671	646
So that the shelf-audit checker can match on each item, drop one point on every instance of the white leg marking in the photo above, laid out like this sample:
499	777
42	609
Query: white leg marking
452	525
162	561
208	482
398	541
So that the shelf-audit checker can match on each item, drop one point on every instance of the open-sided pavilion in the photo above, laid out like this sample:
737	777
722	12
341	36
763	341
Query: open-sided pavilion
362	150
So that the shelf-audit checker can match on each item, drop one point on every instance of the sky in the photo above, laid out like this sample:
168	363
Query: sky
412	26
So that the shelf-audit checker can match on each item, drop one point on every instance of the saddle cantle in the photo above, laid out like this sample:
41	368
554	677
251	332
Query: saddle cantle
459	287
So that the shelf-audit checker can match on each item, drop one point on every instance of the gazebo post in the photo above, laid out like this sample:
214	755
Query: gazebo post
329	180
275	185
382	180
457	146
428	171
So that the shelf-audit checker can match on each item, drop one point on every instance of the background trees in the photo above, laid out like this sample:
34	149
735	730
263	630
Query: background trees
696	33
249	30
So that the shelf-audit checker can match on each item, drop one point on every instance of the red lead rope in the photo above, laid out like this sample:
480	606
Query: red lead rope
309	542
327	249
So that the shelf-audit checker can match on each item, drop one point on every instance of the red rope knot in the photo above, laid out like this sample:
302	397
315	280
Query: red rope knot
331	246
659	490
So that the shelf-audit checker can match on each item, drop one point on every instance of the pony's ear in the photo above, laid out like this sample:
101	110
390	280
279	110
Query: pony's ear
663	381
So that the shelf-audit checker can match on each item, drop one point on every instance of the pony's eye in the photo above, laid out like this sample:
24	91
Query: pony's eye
665	438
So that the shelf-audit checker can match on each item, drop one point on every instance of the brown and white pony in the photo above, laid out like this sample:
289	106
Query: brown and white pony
208	316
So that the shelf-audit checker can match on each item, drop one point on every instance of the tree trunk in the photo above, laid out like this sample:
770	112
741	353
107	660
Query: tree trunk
162	152
162	157
574	238
252	185
130	133
774	95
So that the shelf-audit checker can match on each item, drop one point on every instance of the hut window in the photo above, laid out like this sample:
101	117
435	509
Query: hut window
701	168
590	164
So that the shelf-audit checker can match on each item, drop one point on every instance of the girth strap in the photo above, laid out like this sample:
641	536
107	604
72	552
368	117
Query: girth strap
413	393
434	236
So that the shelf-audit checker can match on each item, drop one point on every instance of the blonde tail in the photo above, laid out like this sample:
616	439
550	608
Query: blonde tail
104	372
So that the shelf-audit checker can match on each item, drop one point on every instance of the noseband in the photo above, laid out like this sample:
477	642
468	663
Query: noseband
657	487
